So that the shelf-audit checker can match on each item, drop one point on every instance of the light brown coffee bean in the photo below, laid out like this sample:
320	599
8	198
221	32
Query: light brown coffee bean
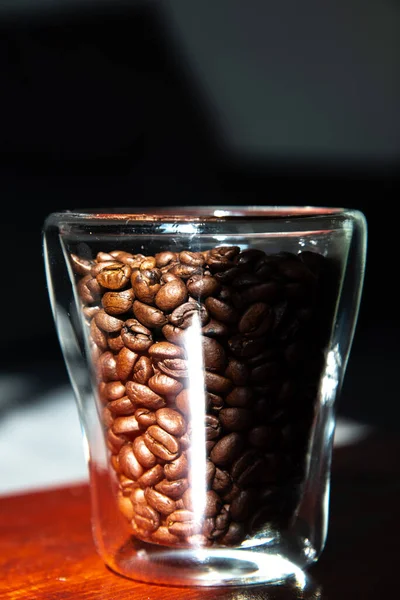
118	303
115	442
107	322
125	257
173	489
88	292
128	463
121	406
171	295
81	266
151	477
160	502
162	384
162	350
127	425
125	362
107	417
161	443
107	367
145	284
182	402
143	370
164	537
135	336
143	454
177	468
165	258
184	314
146	517
174	367
125	506
173	334
149	316
113	275
98	336
145	417
115	342
114	390
171	421
144	396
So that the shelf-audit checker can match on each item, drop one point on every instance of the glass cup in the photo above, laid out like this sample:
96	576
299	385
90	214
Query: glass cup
206	349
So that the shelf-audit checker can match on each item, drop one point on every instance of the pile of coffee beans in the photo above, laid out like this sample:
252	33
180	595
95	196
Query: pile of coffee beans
265	322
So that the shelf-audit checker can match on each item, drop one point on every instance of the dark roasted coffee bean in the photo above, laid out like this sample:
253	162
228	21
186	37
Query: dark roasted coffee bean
214	357
98	336
146	458
112	275
162	384
184	271
240	397
295	270
145	285
125	362
235	419
245	280
174	367
215	329
162	350
265	372
165	258
221	311
173	334
128	463
171	295
235	534
226	277
262	292
149	316
183	523
248	469
221	523
195	259
121	406
241	506
210	472
161	443
185	313
249	257
143	370
126	424
257	319
81	266
222	481
264	437
173	489
144	396
135	336
107	367
217	384
151	477
213	504
225	294
242	463
226	449
245	347
171	421
209	445
221	258
212	427
160	502
107	322
201	287
145	417
231	494
214	402
237	372
176	469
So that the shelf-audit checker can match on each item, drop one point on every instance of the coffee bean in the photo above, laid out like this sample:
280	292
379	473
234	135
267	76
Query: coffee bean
126	484
215	329
115	442
125	362
148	262
201	287
173	489
174	367
114	390
98	336
232	493
107	416
161	443
173	334
249	257
126	425
235	534
81	266
160	502
240	397
89	289
143	370
145	287
135	336
210	472
241	505
262	292
222	481
146	458
125	506
214	403
90	312
171	295
226	449
256	320
185	313
248	469
107	367
115	342
171	421
113	275
165	258
145	417
221	311
237	371
163	536
125	257
108	323
162	384
162	350
214	356
151	477
182	402
217	384
221	258
221	523
177	468
235	419
182	523
149	316
146	517
212	427
128	463
245	347
144	396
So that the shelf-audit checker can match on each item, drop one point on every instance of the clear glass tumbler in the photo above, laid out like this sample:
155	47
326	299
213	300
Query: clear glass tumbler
206	349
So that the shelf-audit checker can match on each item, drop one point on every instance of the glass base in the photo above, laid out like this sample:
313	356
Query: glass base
265	563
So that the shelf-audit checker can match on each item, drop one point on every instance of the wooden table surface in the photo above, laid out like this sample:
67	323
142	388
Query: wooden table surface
46	548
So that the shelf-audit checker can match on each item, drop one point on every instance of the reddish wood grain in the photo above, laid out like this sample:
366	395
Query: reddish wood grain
47	552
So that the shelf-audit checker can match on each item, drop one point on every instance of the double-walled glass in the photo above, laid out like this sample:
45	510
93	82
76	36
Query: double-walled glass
206	348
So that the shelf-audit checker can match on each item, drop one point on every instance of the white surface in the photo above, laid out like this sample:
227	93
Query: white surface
41	444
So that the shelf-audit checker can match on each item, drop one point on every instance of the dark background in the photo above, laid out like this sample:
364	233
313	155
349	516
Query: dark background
111	107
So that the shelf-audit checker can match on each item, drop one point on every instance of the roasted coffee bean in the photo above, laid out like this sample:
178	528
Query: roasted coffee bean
162	350
221	311
125	506
215	329
107	367
232	493
217	384
226	449
115	342
114	390
240	397
98	336
125	362
177	468
90	312
113	275
151	477
144	455
115	442
263	292
222	481
125	257
212	427
171	295
163	536
161	443
160	502
264	372
248	468
104	257
237	372
214	357
174	367
121	406
165	258
143	370
235	419
257	319
107	322
146	517
149	316
135	336
183	523
201	287
162	384
221	523
185	313
173	334
213	504
81	266
182	402
241	506
184	271
127	485
128	463
173	489
171	421
107	417
221	258
127	425
265	437
145	417
145	284
185	441
210	472
244	280
89	289
235	534
214	403
249	257
245	347
227	277
295	270
195	259
144	396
